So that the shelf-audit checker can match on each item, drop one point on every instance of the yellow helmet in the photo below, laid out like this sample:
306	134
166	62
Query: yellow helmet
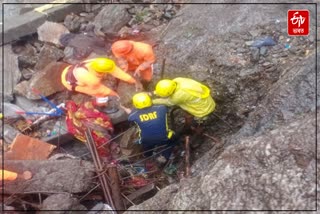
165	88
141	100
102	65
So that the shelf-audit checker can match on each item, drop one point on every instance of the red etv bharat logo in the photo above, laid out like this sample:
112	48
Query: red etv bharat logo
298	22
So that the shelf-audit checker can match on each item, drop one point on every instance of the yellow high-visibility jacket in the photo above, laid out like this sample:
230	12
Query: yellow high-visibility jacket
191	96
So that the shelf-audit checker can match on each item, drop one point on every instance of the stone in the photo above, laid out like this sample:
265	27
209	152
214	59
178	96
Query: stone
263	51
72	22
47	81
27	73
27	61
254	57
59	203
51	32
71	176
24	147
9	133
27	23
11	73
47	55
112	18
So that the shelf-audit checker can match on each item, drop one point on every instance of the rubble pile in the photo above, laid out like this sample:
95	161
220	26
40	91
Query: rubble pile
36	135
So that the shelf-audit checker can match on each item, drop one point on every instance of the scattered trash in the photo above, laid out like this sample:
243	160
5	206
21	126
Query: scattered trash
287	46
267	41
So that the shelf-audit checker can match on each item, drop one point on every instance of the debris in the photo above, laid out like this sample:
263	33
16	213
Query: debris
140	192
114	183
267	41
27	148
48	54
99	169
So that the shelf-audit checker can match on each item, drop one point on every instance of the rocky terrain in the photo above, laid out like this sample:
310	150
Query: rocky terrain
265	90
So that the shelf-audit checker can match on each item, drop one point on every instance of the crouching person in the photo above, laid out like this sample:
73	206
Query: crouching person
153	127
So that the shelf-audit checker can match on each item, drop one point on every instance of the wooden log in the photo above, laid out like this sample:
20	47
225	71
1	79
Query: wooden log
115	187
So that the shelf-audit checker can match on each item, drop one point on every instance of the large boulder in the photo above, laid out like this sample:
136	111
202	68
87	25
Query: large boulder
47	81
111	18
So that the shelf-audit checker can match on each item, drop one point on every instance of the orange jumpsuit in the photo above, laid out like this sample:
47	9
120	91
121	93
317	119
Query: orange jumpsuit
90	82
141	55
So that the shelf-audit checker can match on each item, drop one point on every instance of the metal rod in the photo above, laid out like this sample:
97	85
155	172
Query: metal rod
99	168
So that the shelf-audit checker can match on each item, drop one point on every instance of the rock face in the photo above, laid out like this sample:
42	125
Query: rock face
214	50
270	162
275	171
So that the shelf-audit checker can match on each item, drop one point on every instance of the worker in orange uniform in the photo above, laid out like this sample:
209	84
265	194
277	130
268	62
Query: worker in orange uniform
135	57
86	77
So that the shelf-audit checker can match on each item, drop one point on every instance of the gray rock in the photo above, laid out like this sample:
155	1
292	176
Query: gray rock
72	176
63	201
47	81
72	22
112	18
293	92
47	55
51	32
27	73
255	55
11	73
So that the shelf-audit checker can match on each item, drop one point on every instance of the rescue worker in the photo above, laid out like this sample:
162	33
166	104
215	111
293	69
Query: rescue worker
188	94
152	123
137	57
86	77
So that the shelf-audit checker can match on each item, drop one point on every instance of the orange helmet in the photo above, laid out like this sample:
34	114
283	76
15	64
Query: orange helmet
121	47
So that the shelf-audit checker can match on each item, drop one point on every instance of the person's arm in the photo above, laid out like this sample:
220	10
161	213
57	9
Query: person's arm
120	74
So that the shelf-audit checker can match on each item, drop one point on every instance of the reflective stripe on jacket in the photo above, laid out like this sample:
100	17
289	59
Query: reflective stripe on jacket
191	96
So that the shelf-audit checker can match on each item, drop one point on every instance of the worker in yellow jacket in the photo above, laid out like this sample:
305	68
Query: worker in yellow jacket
188	94
86	77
